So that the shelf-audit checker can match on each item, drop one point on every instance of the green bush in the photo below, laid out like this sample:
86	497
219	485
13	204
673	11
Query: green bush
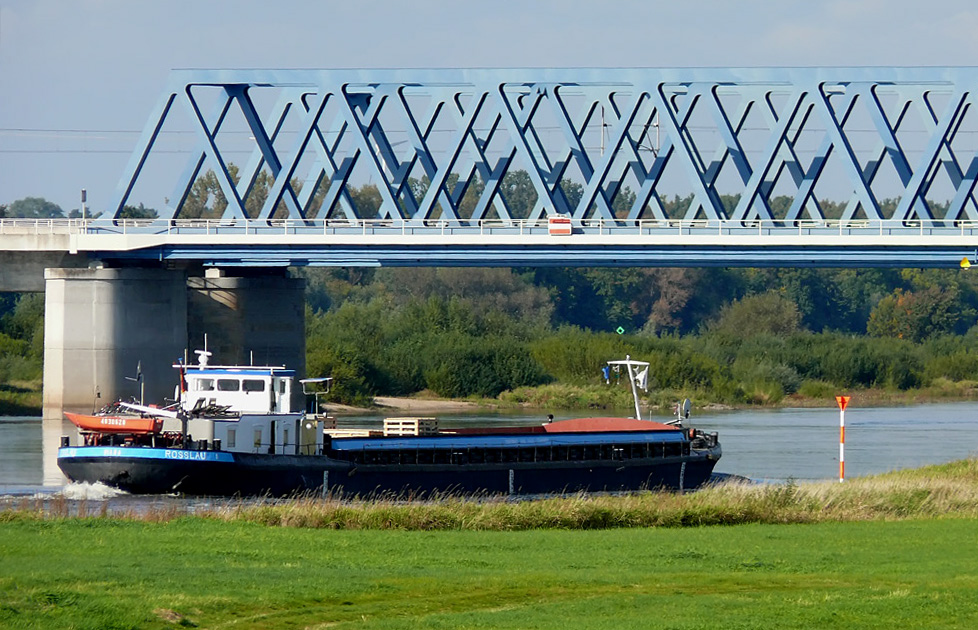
959	366
762	392
865	362
818	389
683	369
10	346
573	355
17	367
351	374
558	396
26	322
470	366
752	370
403	362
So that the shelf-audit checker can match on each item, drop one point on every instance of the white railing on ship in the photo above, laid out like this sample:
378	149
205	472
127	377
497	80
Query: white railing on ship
598	226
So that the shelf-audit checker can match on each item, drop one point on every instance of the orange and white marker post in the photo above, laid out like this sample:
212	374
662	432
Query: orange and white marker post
843	402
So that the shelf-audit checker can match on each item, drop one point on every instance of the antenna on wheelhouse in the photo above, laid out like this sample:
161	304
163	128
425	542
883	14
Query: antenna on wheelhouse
139	379
202	355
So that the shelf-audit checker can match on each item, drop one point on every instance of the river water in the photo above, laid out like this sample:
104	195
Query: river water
766	445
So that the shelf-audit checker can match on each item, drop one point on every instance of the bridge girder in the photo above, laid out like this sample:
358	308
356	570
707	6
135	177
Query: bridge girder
572	256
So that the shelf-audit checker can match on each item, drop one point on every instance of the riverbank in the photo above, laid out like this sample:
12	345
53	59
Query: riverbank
20	398
412	406
19	408
556	397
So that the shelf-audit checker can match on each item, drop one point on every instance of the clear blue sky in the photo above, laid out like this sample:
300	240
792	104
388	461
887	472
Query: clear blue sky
78	78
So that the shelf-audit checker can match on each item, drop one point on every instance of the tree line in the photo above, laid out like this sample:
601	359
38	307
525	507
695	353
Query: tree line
21	341
736	336
206	199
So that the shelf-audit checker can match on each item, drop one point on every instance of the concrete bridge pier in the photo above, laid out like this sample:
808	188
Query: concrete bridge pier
99	324
253	319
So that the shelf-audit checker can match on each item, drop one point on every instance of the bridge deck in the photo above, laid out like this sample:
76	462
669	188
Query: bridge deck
515	242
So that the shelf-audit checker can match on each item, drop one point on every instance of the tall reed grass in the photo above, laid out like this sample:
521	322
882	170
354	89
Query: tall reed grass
948	490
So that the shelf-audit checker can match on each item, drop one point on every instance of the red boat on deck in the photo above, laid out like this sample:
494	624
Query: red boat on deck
116	423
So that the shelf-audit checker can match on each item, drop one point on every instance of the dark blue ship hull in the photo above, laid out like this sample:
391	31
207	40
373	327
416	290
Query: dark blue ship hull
401	469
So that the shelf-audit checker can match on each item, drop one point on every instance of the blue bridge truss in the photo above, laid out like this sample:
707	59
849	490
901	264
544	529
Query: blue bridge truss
778	145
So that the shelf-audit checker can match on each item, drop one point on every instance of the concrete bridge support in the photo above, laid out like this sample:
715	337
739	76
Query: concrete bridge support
253	319
100	324
249	320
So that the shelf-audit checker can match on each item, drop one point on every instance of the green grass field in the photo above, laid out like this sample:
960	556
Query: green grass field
898	550
110	573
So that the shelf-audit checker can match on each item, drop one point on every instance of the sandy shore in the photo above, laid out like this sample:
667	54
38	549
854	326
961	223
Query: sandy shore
391	404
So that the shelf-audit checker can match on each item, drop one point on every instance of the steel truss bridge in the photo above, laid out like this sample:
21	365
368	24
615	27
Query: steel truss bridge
685	166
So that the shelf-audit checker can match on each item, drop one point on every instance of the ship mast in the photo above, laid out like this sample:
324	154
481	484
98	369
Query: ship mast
638	376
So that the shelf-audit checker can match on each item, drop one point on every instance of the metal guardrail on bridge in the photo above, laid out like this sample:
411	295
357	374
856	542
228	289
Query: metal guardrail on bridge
652	228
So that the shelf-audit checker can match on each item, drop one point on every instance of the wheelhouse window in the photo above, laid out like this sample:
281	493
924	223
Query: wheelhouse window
228	385
253	385
204	384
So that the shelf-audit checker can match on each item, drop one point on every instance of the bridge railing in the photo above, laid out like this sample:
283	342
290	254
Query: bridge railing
19	226
529	227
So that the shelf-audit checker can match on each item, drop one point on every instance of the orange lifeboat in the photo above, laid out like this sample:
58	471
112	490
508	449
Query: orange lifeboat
112	423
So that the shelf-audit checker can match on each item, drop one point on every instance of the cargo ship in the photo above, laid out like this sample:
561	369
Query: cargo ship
232	431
